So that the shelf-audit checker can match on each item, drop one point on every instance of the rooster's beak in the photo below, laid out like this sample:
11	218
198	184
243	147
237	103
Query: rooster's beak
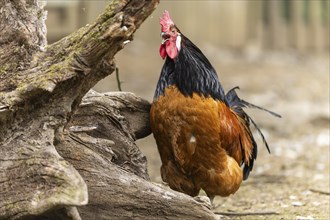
165	37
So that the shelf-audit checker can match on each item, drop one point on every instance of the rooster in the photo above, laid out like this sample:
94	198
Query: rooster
202	133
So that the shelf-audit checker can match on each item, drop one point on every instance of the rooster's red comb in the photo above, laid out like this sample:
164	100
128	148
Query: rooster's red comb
166	21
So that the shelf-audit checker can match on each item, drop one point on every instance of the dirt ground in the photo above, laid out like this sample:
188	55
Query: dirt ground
293	181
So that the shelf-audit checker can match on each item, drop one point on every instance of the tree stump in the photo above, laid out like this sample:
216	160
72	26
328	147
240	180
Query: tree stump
67	152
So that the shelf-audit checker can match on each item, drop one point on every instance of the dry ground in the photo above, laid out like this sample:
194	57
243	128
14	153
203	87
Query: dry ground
293	181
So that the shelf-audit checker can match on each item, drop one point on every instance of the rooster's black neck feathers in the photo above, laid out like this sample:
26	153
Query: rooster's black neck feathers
191	72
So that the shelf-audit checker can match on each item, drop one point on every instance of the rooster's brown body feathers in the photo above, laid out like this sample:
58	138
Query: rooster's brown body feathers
199	140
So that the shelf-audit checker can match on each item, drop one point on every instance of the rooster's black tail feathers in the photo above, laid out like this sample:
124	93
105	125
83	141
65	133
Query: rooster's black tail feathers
237	105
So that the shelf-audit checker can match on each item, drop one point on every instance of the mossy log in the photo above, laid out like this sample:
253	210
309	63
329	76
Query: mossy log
67	152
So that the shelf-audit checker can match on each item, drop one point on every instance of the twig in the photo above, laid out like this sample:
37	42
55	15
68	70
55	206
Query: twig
118	80
319	191
246	213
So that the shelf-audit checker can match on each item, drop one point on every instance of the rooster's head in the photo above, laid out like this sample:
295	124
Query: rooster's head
171	37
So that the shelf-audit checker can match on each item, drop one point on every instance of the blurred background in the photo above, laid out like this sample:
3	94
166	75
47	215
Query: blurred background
277	51
254	31
301	25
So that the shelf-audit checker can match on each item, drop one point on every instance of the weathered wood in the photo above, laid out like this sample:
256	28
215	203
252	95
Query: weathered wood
38	96
57	151
107	126
110	120
22	33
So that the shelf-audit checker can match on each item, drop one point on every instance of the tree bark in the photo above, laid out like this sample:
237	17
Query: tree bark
65	154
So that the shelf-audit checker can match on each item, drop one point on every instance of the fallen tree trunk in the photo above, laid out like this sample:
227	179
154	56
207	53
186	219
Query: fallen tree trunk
65	154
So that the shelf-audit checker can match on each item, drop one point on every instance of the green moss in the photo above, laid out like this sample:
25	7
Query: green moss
8	67
3	69
109	11
60	55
